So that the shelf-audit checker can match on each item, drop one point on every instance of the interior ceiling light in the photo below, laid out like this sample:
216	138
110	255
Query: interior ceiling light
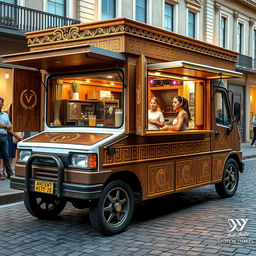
87	80
157	73
6	75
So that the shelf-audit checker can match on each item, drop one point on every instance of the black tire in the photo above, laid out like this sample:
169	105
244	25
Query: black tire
112	213
43	206
228	186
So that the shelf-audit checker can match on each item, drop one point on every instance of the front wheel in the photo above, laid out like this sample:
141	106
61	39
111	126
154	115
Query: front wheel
112	213
43	206
228	186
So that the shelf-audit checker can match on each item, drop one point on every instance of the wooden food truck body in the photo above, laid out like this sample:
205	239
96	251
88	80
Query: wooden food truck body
95	149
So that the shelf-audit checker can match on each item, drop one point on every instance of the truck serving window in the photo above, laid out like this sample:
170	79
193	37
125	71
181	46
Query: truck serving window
85	100
222	114
163	88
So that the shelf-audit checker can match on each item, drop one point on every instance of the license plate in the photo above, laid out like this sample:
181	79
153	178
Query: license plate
44	187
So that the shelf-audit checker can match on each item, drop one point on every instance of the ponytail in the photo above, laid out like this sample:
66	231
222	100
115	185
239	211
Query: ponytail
184	105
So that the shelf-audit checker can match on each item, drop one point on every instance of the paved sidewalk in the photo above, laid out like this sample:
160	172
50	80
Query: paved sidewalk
8	195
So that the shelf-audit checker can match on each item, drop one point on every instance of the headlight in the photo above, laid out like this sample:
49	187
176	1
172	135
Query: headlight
84	161
24	155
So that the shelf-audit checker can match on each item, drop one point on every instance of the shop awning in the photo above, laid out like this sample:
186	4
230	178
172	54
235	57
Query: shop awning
190	69
64	57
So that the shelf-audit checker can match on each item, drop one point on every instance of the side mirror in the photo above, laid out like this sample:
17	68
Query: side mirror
237	111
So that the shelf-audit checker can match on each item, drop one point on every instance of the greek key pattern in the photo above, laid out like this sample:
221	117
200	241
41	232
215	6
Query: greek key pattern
76	33
139	153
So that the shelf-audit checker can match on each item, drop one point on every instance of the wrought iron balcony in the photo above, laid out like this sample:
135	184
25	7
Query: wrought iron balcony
26	19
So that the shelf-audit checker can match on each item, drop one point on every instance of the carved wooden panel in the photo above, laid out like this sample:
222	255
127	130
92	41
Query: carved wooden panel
160	178
157	151
218	162
26	100
203	170
185	173
141	106
172	53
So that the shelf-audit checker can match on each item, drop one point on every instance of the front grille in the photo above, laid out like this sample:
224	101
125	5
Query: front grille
45	173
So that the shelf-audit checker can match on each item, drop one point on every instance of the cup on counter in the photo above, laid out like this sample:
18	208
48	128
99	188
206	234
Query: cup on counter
118	117
92	120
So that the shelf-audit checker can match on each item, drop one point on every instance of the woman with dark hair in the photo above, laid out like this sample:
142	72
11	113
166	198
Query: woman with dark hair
181	122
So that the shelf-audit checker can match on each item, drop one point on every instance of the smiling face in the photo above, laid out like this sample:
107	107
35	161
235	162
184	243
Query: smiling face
176	104
153	105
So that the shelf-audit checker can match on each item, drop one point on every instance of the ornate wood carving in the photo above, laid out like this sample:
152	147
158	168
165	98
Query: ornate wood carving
203	170
141	83
218	162
85	32
158	151
185	174
165	52
27	100
160	178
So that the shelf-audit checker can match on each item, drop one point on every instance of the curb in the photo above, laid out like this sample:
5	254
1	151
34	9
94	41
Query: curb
9	198
249	157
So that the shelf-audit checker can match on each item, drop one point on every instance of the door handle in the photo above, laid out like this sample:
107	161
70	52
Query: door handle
218	133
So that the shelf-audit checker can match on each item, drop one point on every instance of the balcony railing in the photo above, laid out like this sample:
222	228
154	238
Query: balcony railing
244	63
26	19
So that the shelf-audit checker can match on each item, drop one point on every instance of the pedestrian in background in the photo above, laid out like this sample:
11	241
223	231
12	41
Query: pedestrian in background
5	125
254	130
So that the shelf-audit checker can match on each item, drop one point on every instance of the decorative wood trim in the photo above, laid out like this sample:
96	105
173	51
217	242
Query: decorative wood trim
158	151
141	87
160	179
122	26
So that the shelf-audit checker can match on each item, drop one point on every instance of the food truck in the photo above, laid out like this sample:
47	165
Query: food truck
87	89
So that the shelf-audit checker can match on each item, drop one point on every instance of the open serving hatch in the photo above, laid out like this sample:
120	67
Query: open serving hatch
64	57
185	68
169	79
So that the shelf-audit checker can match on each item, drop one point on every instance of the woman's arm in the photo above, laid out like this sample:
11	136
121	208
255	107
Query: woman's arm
178	126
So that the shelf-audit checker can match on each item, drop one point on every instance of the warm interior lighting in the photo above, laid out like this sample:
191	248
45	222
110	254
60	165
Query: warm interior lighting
87	80
112	83
109	76
6	75
157	73
251	98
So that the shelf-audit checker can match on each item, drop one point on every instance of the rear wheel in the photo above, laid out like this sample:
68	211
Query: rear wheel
112	213
228	186
43	206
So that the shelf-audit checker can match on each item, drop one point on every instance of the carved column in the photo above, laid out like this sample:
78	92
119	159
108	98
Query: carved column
235	17
217	8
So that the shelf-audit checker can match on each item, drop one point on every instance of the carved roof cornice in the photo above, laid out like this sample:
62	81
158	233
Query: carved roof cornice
121	26
249	3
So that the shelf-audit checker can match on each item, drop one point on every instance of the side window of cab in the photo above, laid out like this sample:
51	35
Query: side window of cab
222	115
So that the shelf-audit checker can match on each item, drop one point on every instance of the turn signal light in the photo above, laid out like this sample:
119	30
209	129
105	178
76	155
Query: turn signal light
92	161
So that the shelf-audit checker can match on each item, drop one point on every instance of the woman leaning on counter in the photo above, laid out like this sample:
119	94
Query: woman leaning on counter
181	122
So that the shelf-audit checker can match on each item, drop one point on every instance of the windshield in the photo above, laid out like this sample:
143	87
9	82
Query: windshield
85	100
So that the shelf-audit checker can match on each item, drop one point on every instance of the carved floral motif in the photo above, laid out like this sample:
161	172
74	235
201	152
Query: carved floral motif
76	34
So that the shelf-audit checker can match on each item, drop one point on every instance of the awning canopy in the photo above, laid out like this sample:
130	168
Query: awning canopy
185	68
64	57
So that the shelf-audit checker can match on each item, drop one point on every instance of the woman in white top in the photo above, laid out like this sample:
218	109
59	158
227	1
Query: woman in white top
181	122
155	117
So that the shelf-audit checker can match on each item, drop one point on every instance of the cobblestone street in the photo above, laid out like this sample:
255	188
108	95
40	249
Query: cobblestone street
190	223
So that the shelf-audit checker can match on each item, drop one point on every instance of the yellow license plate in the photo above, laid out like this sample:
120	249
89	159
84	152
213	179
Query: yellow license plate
44	187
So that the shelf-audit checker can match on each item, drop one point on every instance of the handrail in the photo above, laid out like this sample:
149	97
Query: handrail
27	19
